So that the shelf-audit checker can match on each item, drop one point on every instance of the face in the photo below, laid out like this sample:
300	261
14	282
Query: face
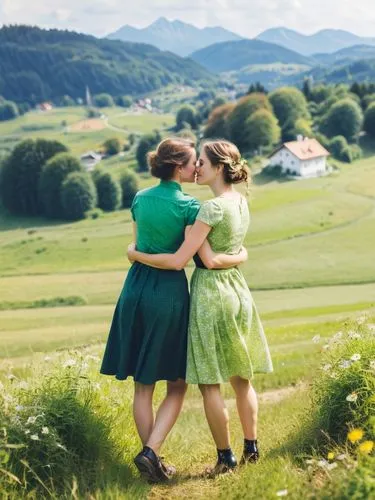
188	171
205	172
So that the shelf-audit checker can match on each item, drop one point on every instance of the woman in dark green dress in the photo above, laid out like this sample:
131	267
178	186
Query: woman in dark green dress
148	335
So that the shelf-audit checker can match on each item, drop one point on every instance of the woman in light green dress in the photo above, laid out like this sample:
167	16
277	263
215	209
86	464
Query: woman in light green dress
226	341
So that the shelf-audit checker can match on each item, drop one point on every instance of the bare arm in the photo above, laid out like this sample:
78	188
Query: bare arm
214	260
179	259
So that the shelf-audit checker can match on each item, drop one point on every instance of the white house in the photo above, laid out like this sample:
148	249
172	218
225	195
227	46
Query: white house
90	159
304	157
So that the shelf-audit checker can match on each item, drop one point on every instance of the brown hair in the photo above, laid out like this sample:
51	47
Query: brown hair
170	153
227	154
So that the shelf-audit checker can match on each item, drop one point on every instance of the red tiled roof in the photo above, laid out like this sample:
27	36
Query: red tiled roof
305	149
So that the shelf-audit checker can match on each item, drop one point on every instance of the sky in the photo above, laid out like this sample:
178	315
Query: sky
245	17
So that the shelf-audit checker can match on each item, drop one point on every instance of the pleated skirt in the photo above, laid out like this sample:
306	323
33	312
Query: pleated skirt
148	334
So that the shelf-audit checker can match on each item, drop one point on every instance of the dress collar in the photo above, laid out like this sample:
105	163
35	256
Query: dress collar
171	185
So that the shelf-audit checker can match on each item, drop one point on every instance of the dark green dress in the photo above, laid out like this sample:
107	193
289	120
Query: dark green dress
148	335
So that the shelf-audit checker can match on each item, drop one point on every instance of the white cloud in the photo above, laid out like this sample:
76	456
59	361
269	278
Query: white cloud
246	17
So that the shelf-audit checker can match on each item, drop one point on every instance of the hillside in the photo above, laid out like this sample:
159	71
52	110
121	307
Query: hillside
37	64
346	55
324	41
176	36
229	56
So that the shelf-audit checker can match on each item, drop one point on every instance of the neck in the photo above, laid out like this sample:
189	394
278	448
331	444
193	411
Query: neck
218	187
176	178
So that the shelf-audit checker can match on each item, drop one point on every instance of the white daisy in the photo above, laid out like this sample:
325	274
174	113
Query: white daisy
316	339
282	493
45	430
31	420
69	363
352	397
34	437
345	363
356	357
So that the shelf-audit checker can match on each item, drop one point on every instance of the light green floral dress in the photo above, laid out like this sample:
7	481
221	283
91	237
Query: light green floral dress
226	337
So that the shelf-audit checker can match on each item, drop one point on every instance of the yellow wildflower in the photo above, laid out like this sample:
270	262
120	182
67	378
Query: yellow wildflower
366	447
330	455
355	435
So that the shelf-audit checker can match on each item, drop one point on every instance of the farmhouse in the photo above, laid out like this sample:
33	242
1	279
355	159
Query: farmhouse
304	158
90	159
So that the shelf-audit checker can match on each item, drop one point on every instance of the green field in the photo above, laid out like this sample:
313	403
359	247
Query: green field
310	267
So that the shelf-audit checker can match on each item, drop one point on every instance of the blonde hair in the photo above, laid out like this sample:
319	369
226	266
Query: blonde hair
235	168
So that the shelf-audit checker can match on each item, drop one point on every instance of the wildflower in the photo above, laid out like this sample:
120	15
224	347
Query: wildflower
366	447
352	397
45	430
27	431
69	363
345	364
354	335
332	466
337	336
372	364
341	457
333	375
11	377
330	455
31	420
361	320
355	435
326	367
322	463
316	339
282	493
19	408
356	357
34	437
310	461
325	347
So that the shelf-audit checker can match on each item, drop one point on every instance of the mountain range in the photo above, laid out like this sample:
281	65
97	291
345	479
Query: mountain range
324	41
175	36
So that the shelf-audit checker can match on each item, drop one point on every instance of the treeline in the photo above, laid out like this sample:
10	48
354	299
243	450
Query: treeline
40	177
38	65
335	115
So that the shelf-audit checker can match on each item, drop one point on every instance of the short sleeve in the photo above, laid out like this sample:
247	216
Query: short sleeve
210	213
132	208
191	211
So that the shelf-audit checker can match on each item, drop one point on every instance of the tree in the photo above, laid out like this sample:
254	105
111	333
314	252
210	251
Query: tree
245	107
21	173
338	146
257	88
125	101
129	187
108	190
112	146
261	129
307	88
146	144
104	100
217	123
8	111
345	118
299	127
186	114
289	104
369	123
53	175
78	195
66	100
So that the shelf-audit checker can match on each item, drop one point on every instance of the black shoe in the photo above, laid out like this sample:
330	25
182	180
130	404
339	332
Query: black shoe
250	452
168	468
226	462
150	466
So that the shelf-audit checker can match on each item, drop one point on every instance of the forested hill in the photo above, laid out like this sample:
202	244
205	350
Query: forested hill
37	64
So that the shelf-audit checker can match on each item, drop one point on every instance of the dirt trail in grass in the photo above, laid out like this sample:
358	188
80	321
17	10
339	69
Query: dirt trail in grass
267	397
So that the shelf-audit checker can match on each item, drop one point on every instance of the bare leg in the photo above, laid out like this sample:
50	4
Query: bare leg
247	406
142	410
216	414
167	413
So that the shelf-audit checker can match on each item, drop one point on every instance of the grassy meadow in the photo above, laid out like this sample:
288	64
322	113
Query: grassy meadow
311	271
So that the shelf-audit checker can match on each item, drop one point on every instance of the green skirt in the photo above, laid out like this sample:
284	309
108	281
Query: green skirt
226	337
148	335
